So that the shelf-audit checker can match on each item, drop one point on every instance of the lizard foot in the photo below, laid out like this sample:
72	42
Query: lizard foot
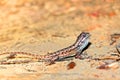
78	57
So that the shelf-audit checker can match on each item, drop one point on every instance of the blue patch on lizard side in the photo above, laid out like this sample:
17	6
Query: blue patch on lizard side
82	46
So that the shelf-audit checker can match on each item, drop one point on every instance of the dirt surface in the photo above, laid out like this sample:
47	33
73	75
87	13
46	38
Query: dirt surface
42	26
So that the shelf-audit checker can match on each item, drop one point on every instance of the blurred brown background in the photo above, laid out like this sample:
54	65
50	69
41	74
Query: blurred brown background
41	26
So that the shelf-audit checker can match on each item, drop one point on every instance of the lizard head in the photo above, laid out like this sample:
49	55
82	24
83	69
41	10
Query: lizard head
82	41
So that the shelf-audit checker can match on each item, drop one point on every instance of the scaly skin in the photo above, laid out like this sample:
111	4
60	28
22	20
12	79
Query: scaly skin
73	50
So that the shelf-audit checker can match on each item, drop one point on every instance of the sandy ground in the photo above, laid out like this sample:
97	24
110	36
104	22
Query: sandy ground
44	26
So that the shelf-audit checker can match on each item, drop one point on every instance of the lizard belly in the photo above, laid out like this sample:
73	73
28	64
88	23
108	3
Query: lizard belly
66	55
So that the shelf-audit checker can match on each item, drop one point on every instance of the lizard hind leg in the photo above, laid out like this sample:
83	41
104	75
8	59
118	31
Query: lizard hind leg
50	62
11	56
6	58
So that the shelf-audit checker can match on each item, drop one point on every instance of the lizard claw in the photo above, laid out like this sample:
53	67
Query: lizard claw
78	57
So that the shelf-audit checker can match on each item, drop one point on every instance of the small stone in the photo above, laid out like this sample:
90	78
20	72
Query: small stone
71	65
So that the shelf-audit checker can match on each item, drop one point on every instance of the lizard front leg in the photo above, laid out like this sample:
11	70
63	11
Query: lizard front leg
80	48
79	52
78	55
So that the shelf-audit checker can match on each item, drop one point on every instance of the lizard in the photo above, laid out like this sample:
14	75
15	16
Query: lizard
75	50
